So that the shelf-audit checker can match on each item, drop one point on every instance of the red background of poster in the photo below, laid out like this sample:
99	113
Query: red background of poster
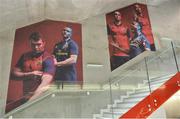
51	31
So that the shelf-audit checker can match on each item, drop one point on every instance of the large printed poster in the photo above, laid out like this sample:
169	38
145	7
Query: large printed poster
44	52
129	33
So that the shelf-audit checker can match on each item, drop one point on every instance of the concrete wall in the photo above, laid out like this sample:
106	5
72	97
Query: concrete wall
164	17
67	105
14	14
78	10
6	45
95	49
172	106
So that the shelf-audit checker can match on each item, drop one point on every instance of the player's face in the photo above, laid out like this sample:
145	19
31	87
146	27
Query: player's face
138	9
67	32
135	18
37	46
117	16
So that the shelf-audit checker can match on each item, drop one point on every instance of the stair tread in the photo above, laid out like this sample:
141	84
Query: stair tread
115	111
133	98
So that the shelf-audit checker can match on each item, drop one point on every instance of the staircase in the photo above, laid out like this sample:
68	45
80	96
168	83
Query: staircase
125	103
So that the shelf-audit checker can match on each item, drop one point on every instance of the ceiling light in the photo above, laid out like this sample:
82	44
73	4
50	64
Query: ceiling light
53	95
166	38
88	93
10	117
94	65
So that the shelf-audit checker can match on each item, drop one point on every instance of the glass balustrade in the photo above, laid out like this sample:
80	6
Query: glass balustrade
125	88
66	100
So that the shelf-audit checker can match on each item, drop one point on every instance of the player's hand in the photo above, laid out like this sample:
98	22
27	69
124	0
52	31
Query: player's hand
55	61
37	73
147	49
114	44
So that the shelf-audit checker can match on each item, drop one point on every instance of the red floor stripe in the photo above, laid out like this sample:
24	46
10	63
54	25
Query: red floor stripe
153	101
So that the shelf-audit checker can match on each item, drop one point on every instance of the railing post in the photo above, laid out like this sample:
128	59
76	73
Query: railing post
174	54
110	88
62	85
58	84
147	73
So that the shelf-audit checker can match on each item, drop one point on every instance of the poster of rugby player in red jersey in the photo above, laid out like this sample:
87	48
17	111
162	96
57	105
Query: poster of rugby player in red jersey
44	53
129	33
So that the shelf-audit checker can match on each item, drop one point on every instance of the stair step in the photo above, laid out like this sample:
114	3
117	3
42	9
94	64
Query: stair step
114	110
123	108
114	117
161	79
124	105
146	87
137	95
103	118
152	86
141	91
142	88
159	82
110	114
132	99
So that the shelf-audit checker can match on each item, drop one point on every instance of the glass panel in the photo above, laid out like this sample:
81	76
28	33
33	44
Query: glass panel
129	85
161	66
129	88
68	100
177	53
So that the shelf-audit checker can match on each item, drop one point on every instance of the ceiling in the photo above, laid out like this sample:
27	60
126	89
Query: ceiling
18	13
77	10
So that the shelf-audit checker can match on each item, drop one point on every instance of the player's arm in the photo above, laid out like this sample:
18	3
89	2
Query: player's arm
19	73
71	60
47	77
46	81
110	33
116	45
146	44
